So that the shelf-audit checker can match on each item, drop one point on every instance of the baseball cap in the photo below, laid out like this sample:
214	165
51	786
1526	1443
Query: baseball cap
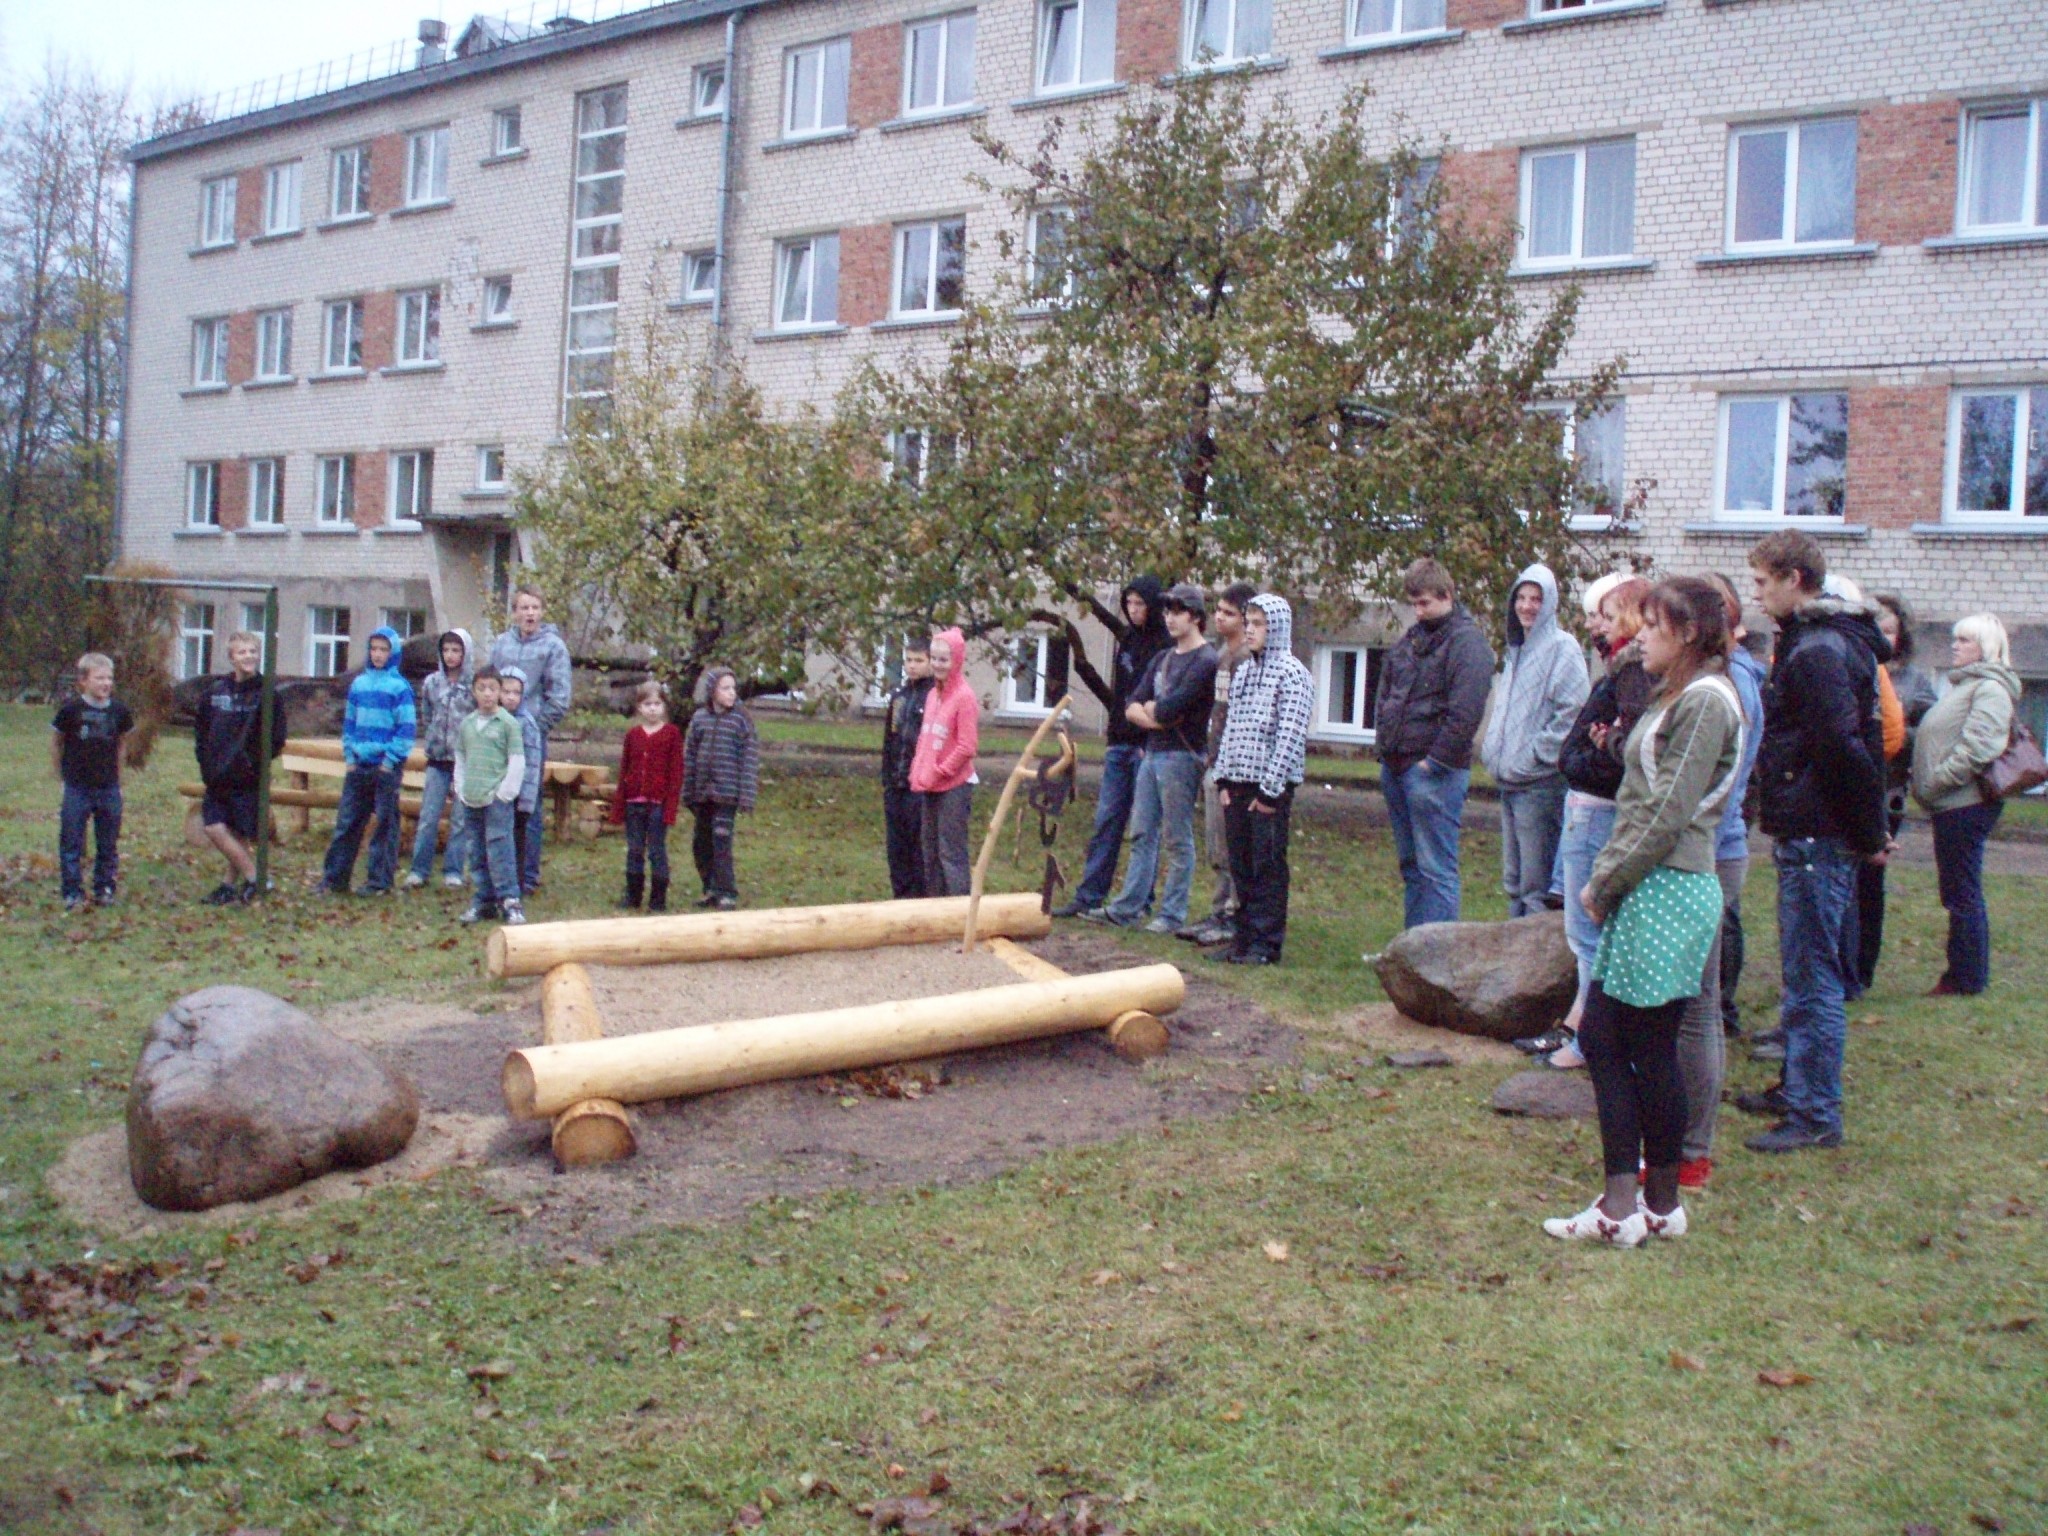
1186	595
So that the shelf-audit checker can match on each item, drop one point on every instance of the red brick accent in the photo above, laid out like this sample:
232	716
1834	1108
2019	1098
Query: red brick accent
1147	38
1896	439
1482	190
1474	15
874	91
371	473
866	266
234	494
249	203
380	330
241	347
1906	171
387	172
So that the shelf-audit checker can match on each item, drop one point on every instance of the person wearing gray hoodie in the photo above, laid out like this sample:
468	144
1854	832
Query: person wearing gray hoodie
444	700
1536	698
538	650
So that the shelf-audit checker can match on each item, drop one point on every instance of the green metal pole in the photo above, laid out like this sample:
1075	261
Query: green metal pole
265	715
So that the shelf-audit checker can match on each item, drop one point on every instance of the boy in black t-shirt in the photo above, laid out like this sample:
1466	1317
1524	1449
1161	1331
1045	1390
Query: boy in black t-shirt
226	739
85	753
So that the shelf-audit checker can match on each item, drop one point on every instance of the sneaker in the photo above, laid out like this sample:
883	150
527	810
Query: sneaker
246	892
375	890
1693	1172
221	895
1192	932
74	903
479	911
331	890
1671	1224
1250	957
414	880
1793	1136
1542	1045
103	897
1101	915
1078	908
1218	933
1768	1105
725	903
452	882
1595	1225
1768	1046
1567	1057
1160	925
514	914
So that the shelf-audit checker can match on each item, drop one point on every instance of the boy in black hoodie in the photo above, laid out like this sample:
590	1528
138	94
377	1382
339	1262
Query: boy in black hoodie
902	811
225	740
1142	637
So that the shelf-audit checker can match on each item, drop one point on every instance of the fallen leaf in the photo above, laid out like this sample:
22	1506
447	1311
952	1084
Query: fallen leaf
1232	1414
340	1422
1986	1522
748	1517
897	1469
185	1453
939	1484
492	1453
1680	1361
1104	1277
492	1370
1275	1251
1779	1377
812	1486
928	1416
893	1514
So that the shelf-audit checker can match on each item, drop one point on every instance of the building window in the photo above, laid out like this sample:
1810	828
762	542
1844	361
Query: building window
281	199
419	327
252	623
707	91
931	261
344	334
266	493
1998	453
2005	168
938	63
1595	446
1034	673
1550	7
497	300
406	621
1046	255
349	184
700	277
1347	687
217	212
334	492
505	139
1783	455
913	452
490	467
1228	31
202	495
1373	19
814	88
1409	222
209	352
195	639
326	641
426	166
1076	43
412	485
807	282
594	244
1792	184
1579	203
274	344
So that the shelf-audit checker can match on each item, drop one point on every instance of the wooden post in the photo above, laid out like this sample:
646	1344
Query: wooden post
995	823
675	1062
590	1130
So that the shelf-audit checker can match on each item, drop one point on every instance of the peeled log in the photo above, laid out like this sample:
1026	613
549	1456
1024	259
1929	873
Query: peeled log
1137	1036
673	1063
537	948
568	1006
590	1130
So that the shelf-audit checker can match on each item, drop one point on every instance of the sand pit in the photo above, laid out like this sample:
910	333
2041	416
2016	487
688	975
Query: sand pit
963	1119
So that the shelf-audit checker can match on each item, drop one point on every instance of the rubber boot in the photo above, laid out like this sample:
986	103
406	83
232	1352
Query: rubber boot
657	897
633	888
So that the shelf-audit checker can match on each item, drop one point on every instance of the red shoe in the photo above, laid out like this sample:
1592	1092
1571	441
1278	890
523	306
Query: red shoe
1942	989
1694	1172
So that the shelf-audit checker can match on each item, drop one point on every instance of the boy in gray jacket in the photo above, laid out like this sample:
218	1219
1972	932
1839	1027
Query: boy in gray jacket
445	701
1537	696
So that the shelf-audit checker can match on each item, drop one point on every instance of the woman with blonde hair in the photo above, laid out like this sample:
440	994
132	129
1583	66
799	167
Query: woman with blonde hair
1962	735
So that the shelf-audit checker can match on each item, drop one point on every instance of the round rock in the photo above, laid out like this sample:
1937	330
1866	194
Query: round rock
1547	1095
1497	980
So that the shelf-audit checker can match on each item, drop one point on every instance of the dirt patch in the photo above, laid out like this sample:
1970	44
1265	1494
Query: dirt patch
1383	1028
969	1117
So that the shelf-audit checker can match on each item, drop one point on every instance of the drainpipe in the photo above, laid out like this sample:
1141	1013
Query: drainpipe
726	143
120	538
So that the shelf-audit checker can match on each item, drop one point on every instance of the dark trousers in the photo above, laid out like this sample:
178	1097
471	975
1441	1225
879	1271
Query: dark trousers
1870	914
902	826
1731	957
531	824
102	808
943	840
365	792
1959	838
1632	1056
647	841
1113	797
711	846
1258	869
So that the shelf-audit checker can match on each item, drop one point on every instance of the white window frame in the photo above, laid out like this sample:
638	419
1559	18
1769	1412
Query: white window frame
327	640
506	133
2033	209
700	277
1568	420
1324	726
1042	293
217	211
252	621
426	166
1789	213
1410	18
497	301
274	345
1575	257
812	248
266	493
348	183
594	245
1775	513
414	468
196	626
1008	702
1555	7
350	312
210	353
490	457
1090	17
1191	13
334	491
408	622
419	328
908	445
708	99
946	29
886	674
281	183
202	493
929	233
2024	426
830	54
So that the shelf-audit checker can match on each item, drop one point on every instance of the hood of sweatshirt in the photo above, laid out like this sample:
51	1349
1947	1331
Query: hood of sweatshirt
956	670
389	636
467	670
1153	591
1546	621
1848	616
707	684
1988	671
1279	623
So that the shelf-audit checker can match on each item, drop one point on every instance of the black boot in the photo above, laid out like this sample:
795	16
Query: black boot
633	888
657	899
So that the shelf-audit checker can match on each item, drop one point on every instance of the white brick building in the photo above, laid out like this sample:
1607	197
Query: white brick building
1798	221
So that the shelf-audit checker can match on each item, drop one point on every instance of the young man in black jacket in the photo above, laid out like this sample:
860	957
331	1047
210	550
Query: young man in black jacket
1820	779
226	739
1433	689
902	814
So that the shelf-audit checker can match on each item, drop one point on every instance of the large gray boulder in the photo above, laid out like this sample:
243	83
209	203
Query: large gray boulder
239	1095
1497	980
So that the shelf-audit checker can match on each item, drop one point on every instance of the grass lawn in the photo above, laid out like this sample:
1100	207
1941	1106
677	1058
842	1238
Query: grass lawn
1109	1319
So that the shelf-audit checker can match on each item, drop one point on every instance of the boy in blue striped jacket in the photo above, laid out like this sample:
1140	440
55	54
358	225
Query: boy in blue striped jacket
376	737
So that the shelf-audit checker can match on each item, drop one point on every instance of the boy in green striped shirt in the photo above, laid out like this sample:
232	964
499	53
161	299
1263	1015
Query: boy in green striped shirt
490	764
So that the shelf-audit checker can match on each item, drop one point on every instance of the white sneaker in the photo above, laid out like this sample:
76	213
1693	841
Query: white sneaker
414	881
514	914
453	882
1566	1058
1671	1224
1595	1225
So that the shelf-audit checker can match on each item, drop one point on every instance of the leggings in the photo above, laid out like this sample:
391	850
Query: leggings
1632	1056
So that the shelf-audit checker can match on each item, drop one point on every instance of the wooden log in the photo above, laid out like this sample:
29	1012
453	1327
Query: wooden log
568	1006
544	1080
1137	1035
590	1131
1019	959
537	948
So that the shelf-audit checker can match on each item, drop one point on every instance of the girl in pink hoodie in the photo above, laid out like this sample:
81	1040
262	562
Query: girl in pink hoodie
942	768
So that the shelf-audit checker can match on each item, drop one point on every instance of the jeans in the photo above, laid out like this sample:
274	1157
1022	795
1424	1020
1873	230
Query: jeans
487	829
102	807
1588	822
1425	802
1112	815
711	847
1702	1041
435	795
365	792
942	833
1162	815
646	842
1258	870
1531	823
902	828
1632	1057
1959	838
1816	885
1731	940
1223	903
529	840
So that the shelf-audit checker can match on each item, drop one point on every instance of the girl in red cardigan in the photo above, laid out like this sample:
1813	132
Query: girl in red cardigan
650	789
